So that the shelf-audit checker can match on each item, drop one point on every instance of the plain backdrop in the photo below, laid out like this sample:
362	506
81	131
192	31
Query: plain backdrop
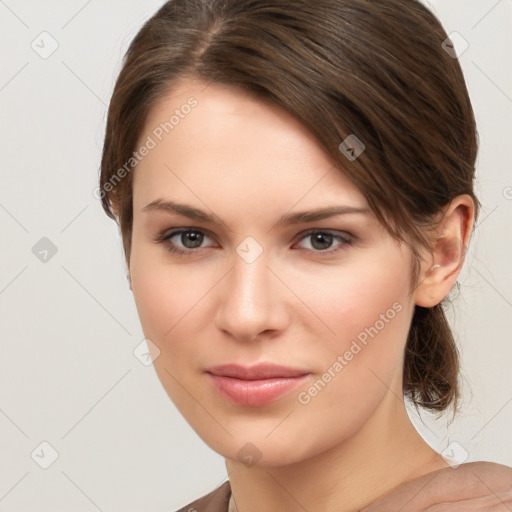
73	395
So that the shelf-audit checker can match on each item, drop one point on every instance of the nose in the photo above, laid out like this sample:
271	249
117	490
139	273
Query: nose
251	301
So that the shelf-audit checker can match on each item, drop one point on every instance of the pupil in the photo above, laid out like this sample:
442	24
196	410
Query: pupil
194	237
318	237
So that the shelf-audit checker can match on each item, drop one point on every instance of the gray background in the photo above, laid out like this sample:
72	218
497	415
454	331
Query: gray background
69	326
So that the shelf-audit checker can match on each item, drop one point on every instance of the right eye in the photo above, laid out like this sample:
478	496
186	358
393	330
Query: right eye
190	238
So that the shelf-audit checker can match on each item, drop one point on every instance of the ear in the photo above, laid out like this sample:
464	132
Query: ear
442	266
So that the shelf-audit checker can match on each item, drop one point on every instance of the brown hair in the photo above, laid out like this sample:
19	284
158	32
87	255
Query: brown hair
376	69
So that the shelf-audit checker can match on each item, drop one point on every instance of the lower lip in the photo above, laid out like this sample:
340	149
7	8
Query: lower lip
255	393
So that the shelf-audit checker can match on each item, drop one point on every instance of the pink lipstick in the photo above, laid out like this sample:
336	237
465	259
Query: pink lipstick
255	385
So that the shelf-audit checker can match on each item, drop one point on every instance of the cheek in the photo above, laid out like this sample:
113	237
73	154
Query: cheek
369	311
168	300
357	296
170	297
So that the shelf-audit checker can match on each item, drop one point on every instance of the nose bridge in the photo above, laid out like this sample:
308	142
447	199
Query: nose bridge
249	298
250	273
250	286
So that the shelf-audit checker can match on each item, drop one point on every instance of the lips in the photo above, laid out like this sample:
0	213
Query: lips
257	372
256	385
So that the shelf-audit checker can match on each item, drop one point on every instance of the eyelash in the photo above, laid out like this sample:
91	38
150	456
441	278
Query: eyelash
165	236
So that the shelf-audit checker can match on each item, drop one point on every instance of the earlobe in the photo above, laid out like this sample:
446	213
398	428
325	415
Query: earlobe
440	270
427	290
435	267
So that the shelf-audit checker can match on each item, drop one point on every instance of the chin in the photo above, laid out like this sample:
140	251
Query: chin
261	449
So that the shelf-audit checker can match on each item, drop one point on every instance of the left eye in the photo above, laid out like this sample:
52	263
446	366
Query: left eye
192	239
322	240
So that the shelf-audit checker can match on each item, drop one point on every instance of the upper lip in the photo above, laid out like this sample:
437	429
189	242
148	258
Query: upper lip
259	371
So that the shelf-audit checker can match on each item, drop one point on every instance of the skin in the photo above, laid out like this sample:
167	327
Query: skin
248	162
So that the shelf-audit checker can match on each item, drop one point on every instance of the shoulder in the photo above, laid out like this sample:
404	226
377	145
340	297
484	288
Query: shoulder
474	479
489	473
472	486
215	501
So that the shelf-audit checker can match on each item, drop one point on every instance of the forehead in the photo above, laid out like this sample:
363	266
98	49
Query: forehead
215	138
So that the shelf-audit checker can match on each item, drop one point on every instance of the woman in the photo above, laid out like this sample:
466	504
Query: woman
294	187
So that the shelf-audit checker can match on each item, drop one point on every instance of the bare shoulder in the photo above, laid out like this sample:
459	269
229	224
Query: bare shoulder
469	484
490	473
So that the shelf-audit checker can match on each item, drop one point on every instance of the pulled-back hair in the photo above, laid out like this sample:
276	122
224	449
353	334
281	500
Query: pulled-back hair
377	69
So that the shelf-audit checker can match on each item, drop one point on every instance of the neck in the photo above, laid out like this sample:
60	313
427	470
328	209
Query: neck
386	452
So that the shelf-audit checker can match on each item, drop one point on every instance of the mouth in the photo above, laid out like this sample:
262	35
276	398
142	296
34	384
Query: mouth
257	385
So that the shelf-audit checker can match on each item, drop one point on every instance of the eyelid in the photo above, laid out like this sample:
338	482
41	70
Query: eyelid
334	232
345	239
167	234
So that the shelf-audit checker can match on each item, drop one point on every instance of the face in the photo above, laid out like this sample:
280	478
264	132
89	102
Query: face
329	296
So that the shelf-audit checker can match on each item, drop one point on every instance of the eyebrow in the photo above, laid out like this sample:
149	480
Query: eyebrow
288	218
